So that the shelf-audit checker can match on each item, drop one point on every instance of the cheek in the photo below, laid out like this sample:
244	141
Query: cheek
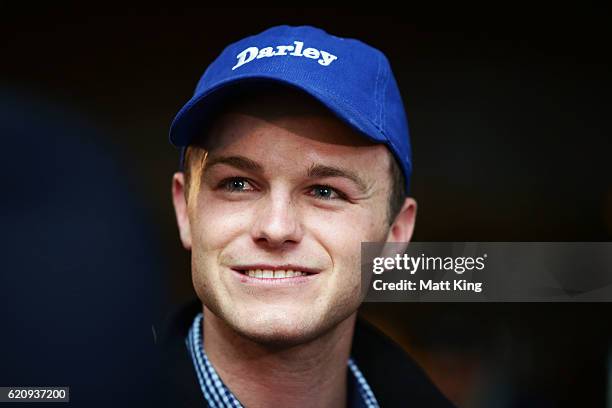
217	223
344	230
342	233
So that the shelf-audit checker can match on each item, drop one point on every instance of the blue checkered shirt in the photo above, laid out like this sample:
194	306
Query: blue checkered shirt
218	395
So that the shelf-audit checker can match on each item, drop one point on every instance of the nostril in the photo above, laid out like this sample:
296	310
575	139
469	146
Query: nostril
275	243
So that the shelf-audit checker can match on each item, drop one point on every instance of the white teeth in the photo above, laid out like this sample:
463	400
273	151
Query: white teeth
267	273
254	273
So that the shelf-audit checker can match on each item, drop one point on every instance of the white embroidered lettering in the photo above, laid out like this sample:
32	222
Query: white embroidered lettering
324	58
246	56
311	53
266	52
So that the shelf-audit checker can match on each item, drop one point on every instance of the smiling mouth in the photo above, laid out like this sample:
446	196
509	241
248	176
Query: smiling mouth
269	274
276	273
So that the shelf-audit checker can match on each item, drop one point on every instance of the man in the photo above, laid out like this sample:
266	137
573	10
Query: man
294	151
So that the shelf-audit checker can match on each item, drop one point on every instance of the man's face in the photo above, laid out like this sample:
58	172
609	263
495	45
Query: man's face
293	191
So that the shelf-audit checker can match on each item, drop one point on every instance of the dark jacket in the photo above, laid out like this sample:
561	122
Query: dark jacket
395	379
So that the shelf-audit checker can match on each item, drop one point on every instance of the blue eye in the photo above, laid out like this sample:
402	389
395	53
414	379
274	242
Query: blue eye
325	193
236	184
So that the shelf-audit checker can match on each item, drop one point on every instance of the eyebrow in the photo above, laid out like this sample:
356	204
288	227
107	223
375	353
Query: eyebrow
239	162
319	170
314	171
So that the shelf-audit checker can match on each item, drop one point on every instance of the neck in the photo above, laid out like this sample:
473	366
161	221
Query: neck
312	374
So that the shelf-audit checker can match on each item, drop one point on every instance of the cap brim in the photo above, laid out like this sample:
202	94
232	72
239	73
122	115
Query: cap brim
198	110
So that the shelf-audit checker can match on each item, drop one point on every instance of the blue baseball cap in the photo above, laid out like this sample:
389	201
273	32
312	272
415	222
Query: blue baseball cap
352	79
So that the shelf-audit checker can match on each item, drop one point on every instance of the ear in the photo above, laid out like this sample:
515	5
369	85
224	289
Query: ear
180	209
403	225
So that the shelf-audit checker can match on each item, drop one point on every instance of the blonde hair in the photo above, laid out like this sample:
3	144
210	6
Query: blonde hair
194	161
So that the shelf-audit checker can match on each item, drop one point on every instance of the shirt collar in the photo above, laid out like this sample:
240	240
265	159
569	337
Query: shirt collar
217	394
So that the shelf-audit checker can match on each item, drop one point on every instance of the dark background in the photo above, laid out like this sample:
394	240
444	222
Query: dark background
510	126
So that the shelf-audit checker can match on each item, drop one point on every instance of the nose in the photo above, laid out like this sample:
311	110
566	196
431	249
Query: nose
277	223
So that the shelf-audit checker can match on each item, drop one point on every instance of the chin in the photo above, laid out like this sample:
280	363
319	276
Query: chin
278	328
285	328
